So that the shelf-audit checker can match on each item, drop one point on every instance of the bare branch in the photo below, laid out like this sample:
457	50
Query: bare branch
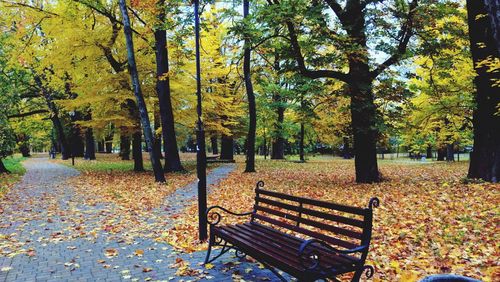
20	115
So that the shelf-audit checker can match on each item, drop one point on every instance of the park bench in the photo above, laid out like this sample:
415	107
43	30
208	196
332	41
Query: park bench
309	239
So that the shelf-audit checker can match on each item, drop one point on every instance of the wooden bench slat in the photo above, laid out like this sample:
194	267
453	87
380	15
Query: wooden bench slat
294	243
332	217
331	228
324	204
270	230
307	232
260	246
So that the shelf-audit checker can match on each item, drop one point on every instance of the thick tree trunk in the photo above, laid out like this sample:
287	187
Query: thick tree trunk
301	142
441	153
226	148
124	147
450	153
3	169
134	75
428	154
365	133
25	150
137	151
485	157
172	159
89	145
215	146
278	146
252	111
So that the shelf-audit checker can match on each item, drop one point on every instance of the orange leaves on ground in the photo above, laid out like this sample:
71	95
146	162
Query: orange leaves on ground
428	221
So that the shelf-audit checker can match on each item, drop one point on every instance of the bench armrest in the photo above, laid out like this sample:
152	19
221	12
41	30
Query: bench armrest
213	217
311	259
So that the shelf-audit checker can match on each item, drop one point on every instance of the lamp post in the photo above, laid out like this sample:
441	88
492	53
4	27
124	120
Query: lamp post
201	157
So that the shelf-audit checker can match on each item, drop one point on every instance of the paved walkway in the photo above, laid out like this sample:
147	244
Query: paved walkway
49	233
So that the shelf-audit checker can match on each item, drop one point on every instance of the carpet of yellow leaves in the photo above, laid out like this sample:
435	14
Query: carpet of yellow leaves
428	221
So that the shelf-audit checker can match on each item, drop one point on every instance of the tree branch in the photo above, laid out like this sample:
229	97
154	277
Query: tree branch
301	62
20	115
13	4
405	33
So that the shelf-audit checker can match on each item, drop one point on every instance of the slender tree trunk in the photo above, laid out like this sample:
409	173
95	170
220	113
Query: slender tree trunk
89	144
3	169
278	146
134	75
485	156
157	137
137	151
450	154
301	143
346	150
100	146
172	159
124	147
252	111
215	146
226	148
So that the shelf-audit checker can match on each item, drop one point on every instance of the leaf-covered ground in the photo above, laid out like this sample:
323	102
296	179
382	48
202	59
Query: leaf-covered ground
428	222
113	180
13	164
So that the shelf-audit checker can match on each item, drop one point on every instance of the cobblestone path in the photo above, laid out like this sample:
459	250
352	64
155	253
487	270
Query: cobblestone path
48	233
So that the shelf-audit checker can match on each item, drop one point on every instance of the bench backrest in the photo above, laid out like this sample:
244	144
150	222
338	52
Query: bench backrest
339	225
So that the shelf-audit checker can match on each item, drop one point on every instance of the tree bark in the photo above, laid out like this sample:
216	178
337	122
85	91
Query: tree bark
485	157
108	143
252	111
428	154
301	142
137	151
3	169
226	148
450	153
278	145
124	147
89	145
215	146
346	150
441	154
157	137
172	159
134	75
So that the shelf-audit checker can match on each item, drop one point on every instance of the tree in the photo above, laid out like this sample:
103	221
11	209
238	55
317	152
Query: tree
148	135
7	142
252	112
485	157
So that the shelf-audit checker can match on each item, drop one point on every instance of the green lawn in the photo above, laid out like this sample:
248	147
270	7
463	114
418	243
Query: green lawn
17	170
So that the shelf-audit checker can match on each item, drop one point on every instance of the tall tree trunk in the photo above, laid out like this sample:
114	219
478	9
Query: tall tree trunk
301	142
346	150
172	159
3	169
493	7
137	151
485	156
134	75
215	146
365	133
124	147
252	111
89	144
441	153
450	153
108	142
278	146
100	146
226	148
428	154
157	136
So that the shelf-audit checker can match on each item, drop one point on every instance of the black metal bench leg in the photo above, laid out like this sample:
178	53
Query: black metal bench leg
211	241
369	273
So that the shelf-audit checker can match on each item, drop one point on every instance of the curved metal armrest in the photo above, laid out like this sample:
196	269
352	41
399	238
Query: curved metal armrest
314	257
215	217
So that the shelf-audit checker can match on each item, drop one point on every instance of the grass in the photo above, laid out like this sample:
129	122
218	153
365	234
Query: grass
17	170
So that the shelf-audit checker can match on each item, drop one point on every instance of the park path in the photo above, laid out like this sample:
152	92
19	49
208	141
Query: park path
49	233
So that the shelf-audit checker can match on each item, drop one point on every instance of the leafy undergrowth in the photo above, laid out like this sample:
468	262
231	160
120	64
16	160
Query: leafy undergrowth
13	164
428	221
